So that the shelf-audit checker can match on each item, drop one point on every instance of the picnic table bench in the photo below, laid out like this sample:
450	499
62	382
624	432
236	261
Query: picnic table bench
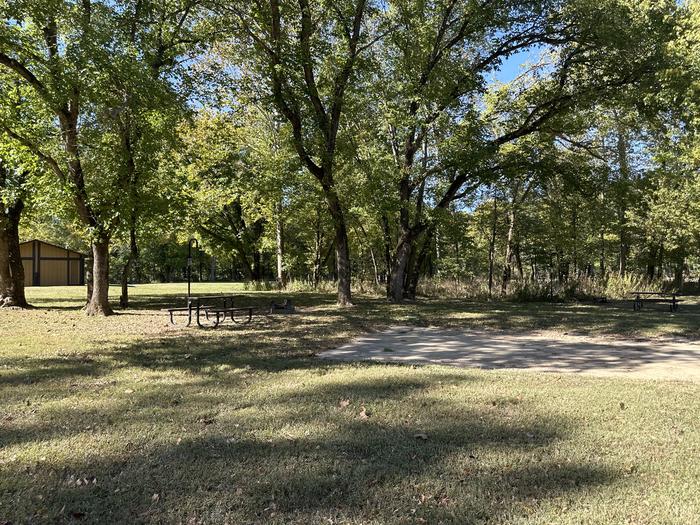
655	297
214	308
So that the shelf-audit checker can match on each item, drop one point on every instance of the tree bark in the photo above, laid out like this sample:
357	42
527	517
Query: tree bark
622	270
625	177
492	245
651	262
99	299
508	262
342	251
130	261
388	261
318	256
602	253
401	258
679	271
11	268
418	264
519	261
279	231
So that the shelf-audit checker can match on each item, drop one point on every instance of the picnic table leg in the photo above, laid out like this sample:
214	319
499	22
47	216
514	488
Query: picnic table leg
199	322
250	317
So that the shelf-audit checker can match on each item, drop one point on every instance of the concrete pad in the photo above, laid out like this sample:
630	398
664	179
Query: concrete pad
535	352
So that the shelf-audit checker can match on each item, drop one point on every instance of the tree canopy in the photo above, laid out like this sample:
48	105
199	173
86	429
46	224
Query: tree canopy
506	144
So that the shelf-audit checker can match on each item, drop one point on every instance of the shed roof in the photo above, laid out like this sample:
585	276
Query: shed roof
51	244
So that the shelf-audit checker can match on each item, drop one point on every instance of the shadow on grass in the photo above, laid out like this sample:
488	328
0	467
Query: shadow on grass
28	371
473	465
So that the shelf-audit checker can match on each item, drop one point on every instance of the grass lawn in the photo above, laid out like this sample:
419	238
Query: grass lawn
127	419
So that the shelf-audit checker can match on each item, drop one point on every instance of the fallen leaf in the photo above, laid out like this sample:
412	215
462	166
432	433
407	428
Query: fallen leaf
344	403
128	391
155	497
363	413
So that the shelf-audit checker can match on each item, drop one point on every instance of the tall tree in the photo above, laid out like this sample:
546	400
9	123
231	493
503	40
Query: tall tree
306	55
13	181
57	49
435	62
85	61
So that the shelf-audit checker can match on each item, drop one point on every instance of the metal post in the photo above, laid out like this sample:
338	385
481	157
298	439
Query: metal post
189	264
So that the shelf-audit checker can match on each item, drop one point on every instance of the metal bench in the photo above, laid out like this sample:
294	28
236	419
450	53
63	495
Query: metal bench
655	297
287	307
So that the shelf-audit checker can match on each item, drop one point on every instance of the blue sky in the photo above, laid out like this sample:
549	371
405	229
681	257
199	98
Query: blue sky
512	66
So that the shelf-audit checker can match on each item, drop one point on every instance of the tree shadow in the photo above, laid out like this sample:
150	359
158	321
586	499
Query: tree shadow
472	464
30	370
490	350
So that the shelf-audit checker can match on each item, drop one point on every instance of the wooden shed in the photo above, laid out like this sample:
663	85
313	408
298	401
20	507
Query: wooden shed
50	265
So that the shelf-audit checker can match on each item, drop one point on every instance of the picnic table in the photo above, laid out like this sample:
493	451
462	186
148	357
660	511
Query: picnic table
213	308
641	297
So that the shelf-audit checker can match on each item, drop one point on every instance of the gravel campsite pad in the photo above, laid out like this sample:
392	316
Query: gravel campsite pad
651	359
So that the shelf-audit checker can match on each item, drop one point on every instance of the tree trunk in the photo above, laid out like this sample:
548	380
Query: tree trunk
342	248
602	253
99	299
623	253
398	269
625	177
651	262
492	245
519	261
11	268
574	228
257	274
508	261
418	264
386	231
130	260
279	230
679	272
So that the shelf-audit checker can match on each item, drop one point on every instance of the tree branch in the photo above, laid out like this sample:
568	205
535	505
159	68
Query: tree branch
44	157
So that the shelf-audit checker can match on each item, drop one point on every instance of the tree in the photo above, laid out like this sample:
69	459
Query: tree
84	62
14	175
435	61
308	72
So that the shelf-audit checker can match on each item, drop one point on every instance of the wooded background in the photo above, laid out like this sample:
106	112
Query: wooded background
490	148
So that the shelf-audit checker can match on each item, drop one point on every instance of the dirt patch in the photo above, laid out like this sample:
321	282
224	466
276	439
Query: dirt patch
535	352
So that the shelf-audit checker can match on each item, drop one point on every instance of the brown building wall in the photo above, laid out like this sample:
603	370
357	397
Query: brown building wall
49	265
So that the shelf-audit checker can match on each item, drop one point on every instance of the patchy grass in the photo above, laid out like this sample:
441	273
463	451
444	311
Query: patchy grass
127	419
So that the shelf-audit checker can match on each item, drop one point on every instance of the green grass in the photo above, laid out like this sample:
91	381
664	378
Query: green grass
127	419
